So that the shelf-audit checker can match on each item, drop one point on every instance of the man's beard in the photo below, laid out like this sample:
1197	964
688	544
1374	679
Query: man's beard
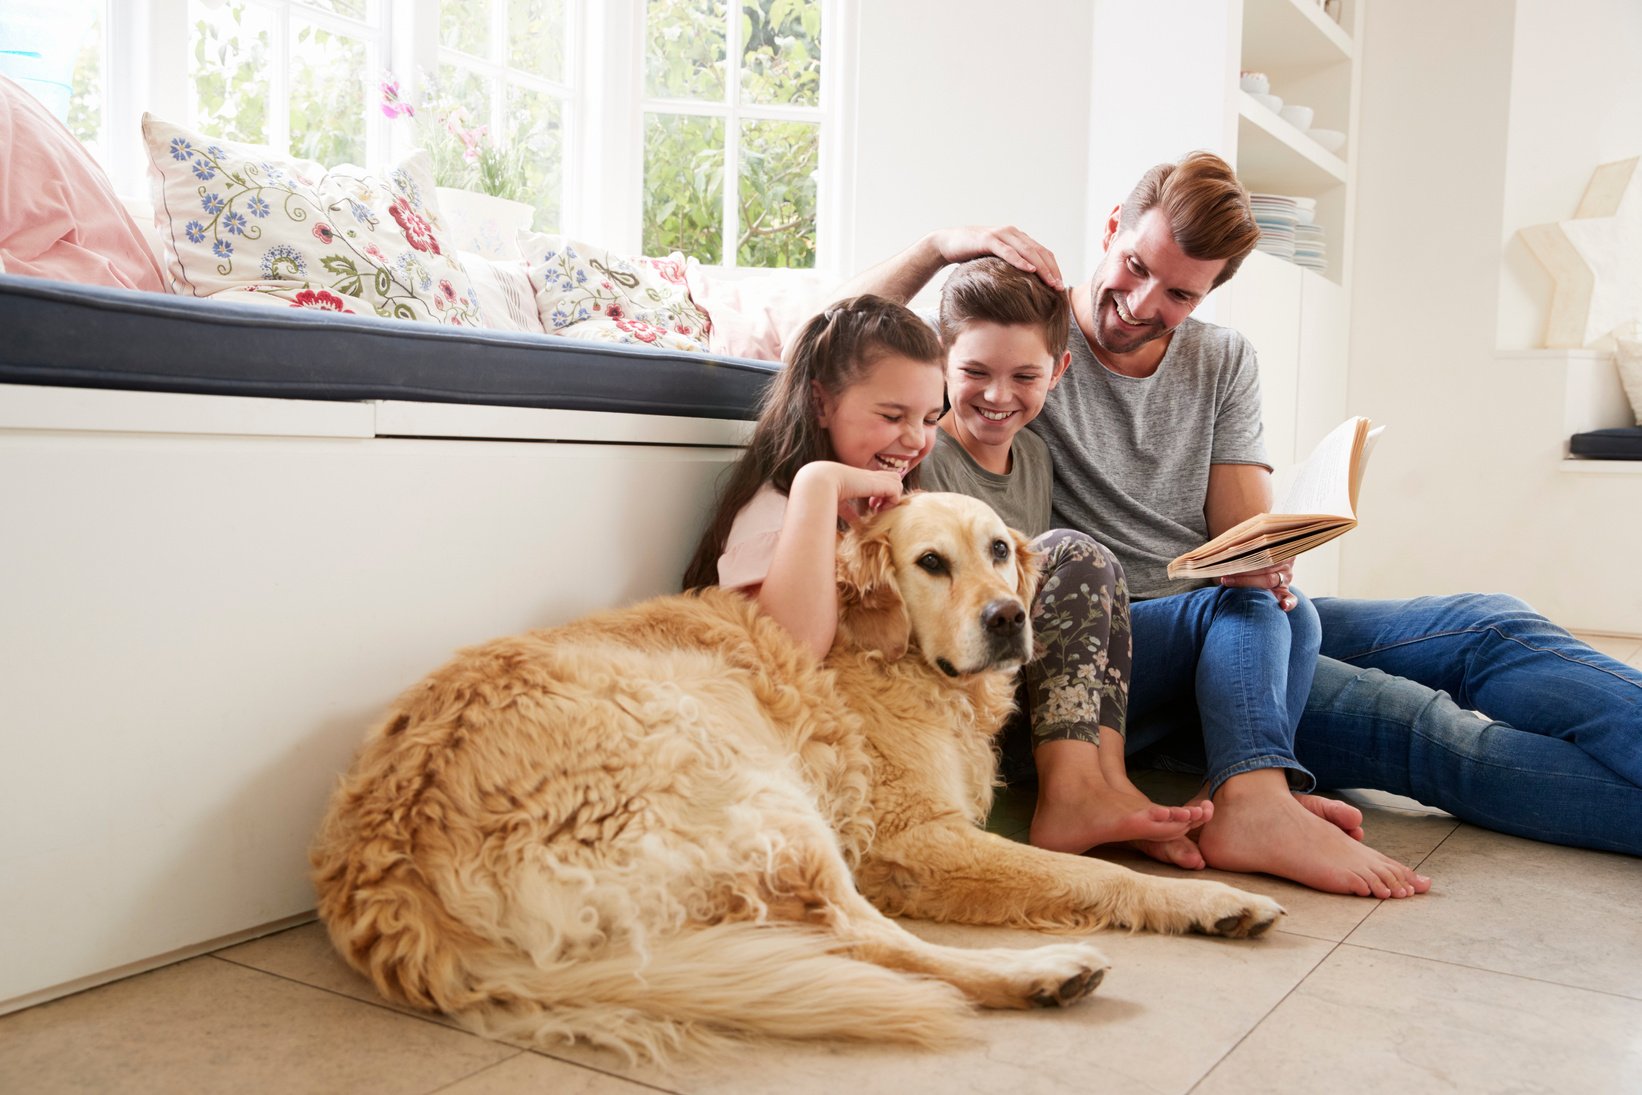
1123	340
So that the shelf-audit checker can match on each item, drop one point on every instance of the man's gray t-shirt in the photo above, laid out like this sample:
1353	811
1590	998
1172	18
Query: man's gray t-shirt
1022	498
1131	455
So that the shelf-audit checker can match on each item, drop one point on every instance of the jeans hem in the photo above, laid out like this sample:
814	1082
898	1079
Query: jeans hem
1300	779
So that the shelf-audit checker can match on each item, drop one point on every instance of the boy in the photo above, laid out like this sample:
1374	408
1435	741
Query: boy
1005	335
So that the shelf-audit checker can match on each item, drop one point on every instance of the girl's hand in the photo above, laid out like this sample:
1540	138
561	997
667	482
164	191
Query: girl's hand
854	486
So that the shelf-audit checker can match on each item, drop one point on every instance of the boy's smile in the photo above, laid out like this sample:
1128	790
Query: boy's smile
997	377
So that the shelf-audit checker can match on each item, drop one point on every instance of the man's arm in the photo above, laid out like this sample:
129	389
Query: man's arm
1236	493
899	277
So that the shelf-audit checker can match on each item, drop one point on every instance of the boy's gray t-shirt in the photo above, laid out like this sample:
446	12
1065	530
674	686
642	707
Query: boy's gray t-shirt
1022	498
1131	455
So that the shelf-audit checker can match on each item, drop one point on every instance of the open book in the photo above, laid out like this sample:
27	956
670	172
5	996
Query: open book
1320	504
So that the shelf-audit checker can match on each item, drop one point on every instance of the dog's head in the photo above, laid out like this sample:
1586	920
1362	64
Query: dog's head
942	574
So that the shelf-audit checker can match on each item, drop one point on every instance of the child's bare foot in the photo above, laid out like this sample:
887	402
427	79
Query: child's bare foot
1259	826
1343	814
1082	804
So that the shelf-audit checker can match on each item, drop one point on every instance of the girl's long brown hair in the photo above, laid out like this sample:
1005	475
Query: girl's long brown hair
834	349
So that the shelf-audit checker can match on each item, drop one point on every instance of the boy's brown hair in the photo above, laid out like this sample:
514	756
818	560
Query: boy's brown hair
989	290
1207	208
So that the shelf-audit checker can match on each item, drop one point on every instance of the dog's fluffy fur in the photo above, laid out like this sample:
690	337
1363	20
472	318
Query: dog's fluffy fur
669	827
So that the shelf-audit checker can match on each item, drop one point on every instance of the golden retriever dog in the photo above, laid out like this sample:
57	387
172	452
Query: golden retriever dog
668	828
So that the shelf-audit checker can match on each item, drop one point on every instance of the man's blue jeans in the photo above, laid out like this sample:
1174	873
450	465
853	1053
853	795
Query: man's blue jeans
1559	757
1234	660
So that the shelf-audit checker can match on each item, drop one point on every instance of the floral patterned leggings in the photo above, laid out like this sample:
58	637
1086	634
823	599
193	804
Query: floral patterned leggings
1078	680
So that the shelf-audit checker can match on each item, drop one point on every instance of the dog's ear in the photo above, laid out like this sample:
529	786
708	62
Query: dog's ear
1027	567
871	614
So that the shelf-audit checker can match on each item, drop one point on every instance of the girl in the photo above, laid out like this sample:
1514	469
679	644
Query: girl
842	431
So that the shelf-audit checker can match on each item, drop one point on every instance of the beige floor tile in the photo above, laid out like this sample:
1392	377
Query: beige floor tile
1169	1009
1522	907
534	1074
1370	1021
209	1025
305	954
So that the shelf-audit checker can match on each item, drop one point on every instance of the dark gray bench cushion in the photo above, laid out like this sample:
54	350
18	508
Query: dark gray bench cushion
88	336
1619	443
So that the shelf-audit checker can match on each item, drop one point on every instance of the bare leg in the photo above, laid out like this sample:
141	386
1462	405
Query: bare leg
1085	799
1260	826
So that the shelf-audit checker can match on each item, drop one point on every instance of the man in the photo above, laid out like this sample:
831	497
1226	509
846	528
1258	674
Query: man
1561	759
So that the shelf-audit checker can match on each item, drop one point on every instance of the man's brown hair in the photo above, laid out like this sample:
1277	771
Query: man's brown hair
989	290
1207	209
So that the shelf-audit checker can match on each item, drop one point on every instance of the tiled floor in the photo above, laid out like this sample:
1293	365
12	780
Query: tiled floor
1520	971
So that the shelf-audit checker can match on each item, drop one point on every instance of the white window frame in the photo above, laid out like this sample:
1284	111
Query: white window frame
604	113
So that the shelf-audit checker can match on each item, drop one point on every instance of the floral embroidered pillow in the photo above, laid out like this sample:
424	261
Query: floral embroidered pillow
235	220
640	300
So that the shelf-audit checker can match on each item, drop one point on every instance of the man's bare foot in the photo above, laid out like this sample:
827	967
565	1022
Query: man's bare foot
1260	827
1083	803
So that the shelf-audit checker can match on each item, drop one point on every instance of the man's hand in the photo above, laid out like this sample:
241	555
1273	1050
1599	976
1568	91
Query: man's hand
1275	578
900	277
1007	242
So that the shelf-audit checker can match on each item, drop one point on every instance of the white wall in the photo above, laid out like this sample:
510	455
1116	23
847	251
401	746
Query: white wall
970	112
1575	102
1468	490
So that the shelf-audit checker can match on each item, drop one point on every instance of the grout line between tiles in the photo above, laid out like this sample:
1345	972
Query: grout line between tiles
606	1072
1264	1018
1497	973
476	1072
434	1021
380	1005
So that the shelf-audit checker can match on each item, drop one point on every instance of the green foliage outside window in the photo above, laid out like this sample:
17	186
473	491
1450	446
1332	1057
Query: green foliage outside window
780	59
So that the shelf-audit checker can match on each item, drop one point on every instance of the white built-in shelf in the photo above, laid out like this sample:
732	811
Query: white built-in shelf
1274	155
1291	37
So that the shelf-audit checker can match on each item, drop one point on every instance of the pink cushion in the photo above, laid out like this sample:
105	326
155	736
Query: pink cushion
59	215
755	316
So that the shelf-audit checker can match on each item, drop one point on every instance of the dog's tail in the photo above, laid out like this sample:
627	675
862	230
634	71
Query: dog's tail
691	993
709	989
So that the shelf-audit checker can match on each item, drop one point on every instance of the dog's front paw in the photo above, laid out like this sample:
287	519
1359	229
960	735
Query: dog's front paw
1235	913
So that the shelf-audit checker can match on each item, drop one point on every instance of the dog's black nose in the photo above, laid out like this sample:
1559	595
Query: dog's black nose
1003	618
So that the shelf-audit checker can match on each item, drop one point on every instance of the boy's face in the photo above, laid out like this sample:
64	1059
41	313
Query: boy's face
997	377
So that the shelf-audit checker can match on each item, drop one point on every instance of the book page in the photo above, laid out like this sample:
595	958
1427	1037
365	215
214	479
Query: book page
1323	484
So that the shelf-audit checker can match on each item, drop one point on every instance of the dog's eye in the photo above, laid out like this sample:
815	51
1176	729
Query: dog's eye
932	562
1000	550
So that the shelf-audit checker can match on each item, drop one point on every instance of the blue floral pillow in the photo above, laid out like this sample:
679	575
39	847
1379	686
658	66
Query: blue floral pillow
236	221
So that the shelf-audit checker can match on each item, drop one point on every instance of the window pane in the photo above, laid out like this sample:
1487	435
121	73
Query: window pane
455	112
328	97
535	156
778	167
536	34
353	9
684	186
684	49
465	25
781	52
229	69
85	106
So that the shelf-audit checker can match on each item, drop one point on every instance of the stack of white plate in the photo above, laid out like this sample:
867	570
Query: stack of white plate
1309	249
1277	215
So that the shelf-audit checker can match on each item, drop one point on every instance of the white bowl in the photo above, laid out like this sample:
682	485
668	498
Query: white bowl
1255	83
1270	102
1332	140
1297	116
